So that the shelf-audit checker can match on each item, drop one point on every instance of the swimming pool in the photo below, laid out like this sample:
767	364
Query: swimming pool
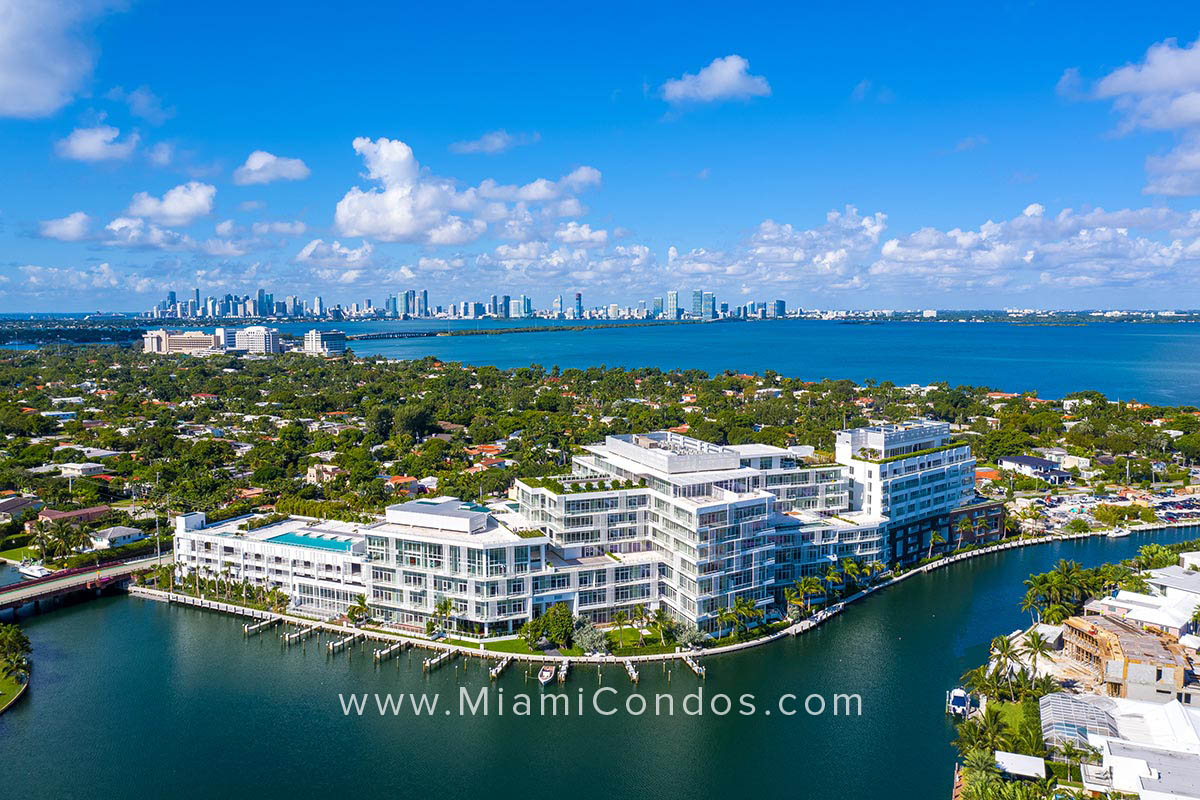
309	540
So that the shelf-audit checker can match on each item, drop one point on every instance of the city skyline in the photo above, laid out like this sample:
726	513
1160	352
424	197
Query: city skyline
716	160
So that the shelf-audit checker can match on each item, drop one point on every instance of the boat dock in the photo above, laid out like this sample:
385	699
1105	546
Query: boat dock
695	666
632	671
291	638
390	650
258	627
495	671
334	647
430	664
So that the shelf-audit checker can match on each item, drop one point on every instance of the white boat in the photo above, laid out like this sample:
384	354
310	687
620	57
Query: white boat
1117	533
545	674
32	570
958	702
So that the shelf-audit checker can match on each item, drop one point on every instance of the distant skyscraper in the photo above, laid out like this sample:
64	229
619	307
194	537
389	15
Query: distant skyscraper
697	303
709	306
578	305
657	307
780	308
557	305
423	304
318	306
672	304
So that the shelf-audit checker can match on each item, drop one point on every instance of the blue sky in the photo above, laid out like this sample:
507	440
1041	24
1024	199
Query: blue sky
1028	155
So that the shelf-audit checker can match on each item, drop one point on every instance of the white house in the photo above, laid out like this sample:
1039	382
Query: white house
115	536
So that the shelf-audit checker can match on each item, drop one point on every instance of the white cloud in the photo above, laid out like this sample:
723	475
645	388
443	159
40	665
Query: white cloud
179	206
323	253
142	103
263	167
495	142
44	58
53	280
411	205
970	143
71	228
161	154
1161	93
294	228
226	228
133	232
725	78
581	235
100	143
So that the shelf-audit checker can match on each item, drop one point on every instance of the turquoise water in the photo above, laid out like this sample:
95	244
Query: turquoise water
174	702
1157	363
291	537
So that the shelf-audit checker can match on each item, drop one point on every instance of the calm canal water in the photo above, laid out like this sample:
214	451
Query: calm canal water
1157	363
132	695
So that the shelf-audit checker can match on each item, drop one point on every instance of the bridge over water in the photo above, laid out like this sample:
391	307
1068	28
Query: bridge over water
80	579
358	337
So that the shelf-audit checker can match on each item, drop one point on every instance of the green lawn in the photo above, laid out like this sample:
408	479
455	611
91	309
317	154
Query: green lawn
1011	713
518	646
8	690
18	553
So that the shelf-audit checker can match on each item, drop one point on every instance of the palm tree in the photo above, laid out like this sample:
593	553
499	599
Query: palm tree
619	619
726	616
1036	647
639	619
662	619
963	527
358	610
1005	655
809	586
41	540
852	570
833	577
444	609
791	599
1011	525
746	610
935	540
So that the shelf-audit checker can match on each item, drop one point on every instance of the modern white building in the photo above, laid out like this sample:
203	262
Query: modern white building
913	474
324	343
711	523
321	565
257	339
659	519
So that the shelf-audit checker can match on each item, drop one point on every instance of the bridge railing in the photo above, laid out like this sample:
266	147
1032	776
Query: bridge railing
66	573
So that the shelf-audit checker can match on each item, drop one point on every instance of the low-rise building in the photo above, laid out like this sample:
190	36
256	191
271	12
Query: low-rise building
78	470
322	473
1040	468
115	536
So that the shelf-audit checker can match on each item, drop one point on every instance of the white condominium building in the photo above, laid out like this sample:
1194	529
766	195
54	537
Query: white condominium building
705	519
321	565
257	339
912	473
324	343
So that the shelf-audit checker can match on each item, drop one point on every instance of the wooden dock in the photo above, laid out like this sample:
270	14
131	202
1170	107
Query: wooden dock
701	671
299	636
341	644
249	629
496	671
390	650
430	664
